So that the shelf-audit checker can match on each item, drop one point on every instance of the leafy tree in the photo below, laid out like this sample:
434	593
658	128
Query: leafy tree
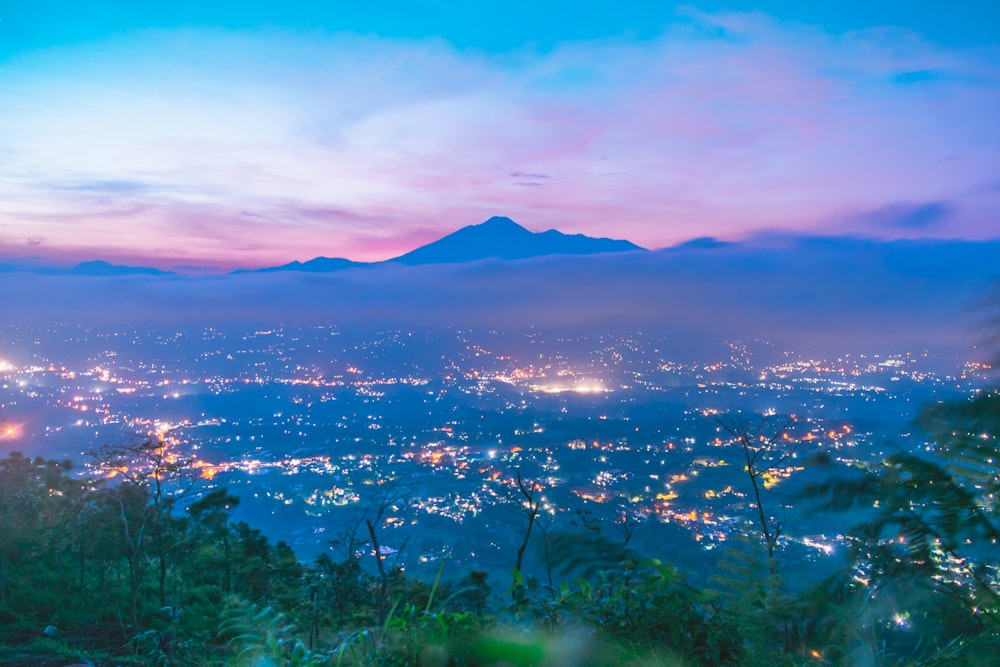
37	544
338	594
153	480
210	535
475	591
251	560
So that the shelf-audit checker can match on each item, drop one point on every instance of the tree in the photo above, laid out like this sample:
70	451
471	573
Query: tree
476	590
38	504
152	481
760	441
251	561
387	498
749	577
337	592
530	491
210	527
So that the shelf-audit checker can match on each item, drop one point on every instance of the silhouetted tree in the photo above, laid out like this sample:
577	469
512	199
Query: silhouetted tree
390	494
210	530
760	441
531	500
153	480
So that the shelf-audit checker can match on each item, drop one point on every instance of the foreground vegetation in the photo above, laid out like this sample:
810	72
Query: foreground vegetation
130	566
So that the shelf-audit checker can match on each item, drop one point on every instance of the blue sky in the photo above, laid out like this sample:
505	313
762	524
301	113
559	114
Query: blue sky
243	134
490	26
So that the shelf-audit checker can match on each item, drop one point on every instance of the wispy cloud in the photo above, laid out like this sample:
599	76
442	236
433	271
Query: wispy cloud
244	148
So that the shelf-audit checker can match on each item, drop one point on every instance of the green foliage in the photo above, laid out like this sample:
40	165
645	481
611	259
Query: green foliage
42	511
586	554
338	594
639	605
923	582
109	558
263	637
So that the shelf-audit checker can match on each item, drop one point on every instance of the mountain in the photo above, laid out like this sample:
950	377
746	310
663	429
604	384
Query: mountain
502	238
497	238
102	268
315	265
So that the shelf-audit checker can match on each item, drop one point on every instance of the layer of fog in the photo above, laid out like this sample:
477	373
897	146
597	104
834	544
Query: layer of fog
831	296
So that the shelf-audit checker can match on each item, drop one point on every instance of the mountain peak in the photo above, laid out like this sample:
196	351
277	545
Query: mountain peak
500	222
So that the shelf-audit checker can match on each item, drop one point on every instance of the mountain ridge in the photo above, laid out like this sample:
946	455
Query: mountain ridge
500	237
315	265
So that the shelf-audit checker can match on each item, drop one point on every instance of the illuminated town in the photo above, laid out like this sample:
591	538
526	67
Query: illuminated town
313	427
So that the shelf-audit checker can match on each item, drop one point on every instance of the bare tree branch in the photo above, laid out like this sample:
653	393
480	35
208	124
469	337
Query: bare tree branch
763	452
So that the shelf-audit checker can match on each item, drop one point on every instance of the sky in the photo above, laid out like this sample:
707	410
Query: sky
253	134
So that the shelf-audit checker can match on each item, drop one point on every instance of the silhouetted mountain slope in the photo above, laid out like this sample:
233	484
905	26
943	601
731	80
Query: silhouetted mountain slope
102	268
90	268
502	238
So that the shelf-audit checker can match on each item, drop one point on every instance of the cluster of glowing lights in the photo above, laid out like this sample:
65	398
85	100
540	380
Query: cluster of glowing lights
161	429
583	388
208	470
819	545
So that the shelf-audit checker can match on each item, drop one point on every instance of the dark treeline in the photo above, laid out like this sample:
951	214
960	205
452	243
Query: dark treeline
132	564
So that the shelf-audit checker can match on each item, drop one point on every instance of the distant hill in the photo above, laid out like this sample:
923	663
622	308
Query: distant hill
315	265
90	268
101	268
502	238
